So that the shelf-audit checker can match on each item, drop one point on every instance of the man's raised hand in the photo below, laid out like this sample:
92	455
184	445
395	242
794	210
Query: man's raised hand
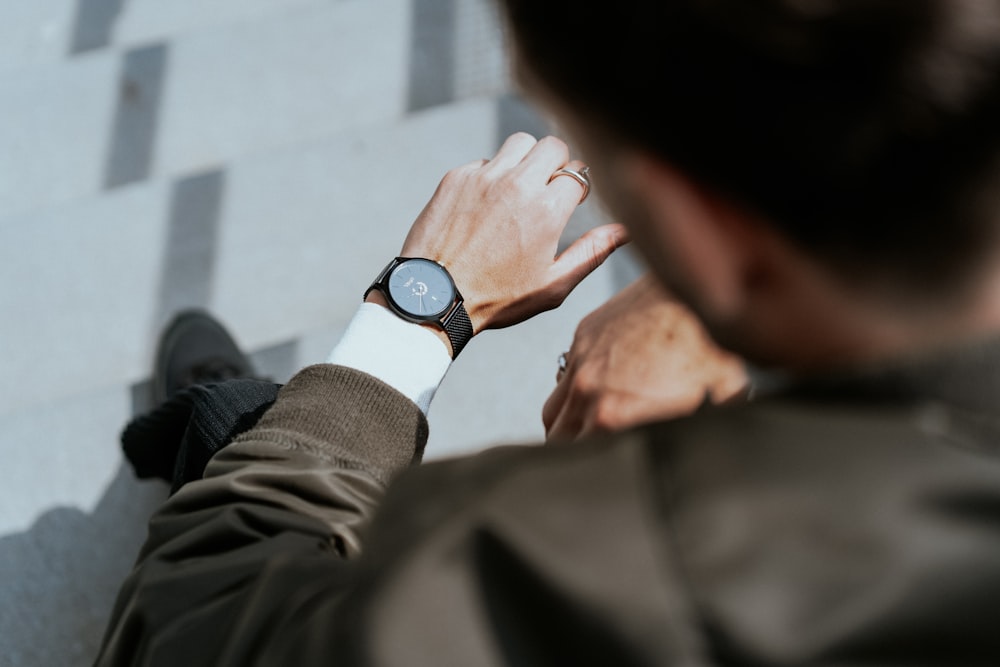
495	225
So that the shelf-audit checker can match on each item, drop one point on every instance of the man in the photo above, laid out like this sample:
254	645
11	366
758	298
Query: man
817	182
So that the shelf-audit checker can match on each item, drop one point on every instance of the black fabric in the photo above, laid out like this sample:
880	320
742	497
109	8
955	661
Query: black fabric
175	441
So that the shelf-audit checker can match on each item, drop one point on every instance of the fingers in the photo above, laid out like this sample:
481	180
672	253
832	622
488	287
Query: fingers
564	425
587	253
567	186
545	158
512	152
476	164
567	415
538	161
496	225
555	403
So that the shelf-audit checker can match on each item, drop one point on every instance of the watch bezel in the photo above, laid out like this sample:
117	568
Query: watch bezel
440	317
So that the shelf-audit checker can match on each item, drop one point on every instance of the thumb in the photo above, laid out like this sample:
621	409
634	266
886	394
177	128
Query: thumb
587	253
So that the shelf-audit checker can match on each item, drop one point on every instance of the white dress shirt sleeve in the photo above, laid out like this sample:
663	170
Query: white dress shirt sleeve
406	356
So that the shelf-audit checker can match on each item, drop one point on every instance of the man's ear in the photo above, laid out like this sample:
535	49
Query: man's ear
712	243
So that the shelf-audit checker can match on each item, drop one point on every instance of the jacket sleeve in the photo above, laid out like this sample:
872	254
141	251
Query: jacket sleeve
271	531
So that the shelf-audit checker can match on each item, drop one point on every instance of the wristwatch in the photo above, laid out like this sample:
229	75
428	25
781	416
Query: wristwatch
422	291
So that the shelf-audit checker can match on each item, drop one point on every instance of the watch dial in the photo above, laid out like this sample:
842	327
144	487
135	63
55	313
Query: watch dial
421	287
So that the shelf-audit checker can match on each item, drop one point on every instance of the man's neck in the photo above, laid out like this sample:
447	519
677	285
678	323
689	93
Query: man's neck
834	329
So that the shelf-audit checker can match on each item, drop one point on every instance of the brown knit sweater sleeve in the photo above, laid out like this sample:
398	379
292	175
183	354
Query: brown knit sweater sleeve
295	491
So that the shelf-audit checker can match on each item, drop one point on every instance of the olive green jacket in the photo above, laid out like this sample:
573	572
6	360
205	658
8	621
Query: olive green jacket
849	522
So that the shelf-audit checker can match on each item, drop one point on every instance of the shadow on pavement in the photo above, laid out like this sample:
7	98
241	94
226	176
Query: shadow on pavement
59	579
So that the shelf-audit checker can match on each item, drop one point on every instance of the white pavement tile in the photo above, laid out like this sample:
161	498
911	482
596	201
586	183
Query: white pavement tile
35	32
54	135
80	286
305	231
152	20
60	454
250	87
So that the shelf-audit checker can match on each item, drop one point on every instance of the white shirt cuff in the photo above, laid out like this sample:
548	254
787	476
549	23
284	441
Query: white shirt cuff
405	356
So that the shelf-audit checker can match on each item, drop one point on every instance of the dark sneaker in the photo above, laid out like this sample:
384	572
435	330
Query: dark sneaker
196	349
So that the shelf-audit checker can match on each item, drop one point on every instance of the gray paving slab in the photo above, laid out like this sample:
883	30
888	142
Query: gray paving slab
189	254
480	64
432	54
252	87
94	24
137	109
456	52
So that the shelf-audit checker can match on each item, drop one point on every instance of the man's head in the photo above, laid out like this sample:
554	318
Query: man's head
866	133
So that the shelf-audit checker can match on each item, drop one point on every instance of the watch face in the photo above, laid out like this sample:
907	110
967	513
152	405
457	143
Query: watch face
421	288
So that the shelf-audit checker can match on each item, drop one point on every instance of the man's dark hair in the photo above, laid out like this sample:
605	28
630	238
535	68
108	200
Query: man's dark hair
867	131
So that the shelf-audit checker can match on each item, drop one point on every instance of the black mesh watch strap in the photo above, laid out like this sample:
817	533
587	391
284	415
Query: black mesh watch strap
459	329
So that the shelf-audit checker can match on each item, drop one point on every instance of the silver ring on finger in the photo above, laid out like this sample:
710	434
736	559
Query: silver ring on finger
563	362
582	177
